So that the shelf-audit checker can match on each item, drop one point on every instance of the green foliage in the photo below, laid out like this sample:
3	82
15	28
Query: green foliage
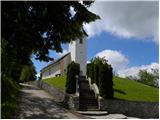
96	74
90	71
9	93
28	73
127	89
25	22
101	74
149	78
124	89
11	64
73	69
58	82
11	69
105	81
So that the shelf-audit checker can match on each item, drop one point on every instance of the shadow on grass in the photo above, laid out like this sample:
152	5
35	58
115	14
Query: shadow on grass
119	91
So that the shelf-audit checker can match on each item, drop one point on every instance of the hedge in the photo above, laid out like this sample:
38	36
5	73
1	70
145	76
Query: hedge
100	73
73	69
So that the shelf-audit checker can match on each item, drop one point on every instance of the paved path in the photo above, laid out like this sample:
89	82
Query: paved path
36	103
111	116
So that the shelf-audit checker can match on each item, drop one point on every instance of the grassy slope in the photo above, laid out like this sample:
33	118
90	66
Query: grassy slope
123	89
58	82
132	90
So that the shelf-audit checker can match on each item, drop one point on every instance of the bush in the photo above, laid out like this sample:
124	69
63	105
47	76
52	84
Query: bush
28	73
10	91
96	74
105	81
101	74
73	69
147	78
90	72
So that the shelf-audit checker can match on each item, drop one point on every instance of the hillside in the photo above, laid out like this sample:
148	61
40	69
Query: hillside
135	91
58	82
123	89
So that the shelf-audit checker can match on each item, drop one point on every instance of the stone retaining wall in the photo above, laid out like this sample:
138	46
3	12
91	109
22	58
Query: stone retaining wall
131	108
53	91
69	101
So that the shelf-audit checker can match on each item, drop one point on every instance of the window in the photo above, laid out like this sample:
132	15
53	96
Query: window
81	41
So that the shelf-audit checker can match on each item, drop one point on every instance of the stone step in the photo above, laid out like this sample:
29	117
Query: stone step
88	97
92	108
89	103
89	109
109	116
93	113
87	94
85	104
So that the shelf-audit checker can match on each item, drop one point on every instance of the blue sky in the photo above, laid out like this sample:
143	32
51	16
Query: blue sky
139	52
126	35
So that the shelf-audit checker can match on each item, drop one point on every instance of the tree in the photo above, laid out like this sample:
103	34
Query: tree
105	81
28	73
73	69
101	73
30	27
36	27
25	23
149	78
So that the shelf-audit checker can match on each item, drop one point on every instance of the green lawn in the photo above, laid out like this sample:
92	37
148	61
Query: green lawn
123	89
134	91
58	82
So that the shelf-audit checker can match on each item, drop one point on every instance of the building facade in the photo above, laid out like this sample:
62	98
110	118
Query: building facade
77	53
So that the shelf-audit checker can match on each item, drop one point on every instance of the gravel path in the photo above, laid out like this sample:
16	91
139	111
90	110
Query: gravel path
35	103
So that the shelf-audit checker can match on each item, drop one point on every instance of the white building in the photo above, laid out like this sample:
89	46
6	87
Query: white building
77	53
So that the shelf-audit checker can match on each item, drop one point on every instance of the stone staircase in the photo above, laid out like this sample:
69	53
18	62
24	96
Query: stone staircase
87	98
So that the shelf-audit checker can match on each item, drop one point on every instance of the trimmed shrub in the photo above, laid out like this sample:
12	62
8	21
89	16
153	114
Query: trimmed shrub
90	72
101	74
96	74
73	69
105	81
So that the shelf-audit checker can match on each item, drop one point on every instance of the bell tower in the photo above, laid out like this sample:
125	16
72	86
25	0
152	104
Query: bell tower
78	53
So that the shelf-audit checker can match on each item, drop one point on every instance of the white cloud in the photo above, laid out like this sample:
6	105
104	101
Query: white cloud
88	61
133	71
120	63
63	53
115	58
126	19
